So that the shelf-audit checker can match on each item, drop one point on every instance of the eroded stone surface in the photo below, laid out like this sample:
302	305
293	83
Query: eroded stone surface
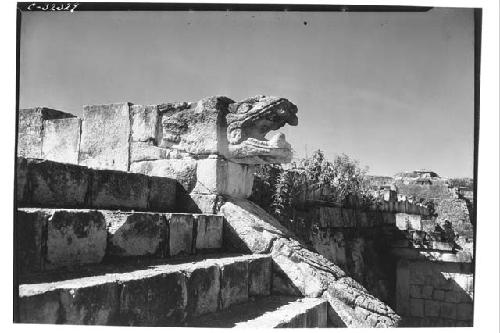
209	232
105	136
61	140
95	305
180	233
183	170
138	294
162	194
144	122
194	128
157	301
114	189
259	276
40	309
29	227
203	287
75	238
56	185
249	121
146	151
21	180
134	234
200	203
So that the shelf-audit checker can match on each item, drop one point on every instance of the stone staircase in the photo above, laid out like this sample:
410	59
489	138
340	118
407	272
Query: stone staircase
101	247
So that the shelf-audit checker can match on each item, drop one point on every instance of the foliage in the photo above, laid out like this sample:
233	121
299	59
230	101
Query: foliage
341	181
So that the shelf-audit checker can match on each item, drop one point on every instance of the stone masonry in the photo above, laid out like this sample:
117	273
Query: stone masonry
157	161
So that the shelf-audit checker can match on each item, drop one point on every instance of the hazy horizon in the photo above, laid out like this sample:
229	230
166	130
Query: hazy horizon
391	90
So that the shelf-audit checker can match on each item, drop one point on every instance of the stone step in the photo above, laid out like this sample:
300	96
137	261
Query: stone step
42	183
269	312
53	238
149	293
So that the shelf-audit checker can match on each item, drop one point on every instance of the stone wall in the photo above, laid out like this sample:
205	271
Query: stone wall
434	293
135	139
358	241
385	201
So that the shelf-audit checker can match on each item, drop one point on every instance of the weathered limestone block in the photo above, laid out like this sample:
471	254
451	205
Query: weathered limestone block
96	305
21	180
134	234
75	238
211	176
402	221
144	122
259	276
464	312
31	129
40	309
195	128
209	232
162	194
219	176
234	283
203	288
29	226
61	140
183	170
155	301
199	203
146	151
56	185
243	219
105	136
432	308
180	233
119	190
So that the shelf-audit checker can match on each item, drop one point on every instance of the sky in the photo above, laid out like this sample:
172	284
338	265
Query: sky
391	90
